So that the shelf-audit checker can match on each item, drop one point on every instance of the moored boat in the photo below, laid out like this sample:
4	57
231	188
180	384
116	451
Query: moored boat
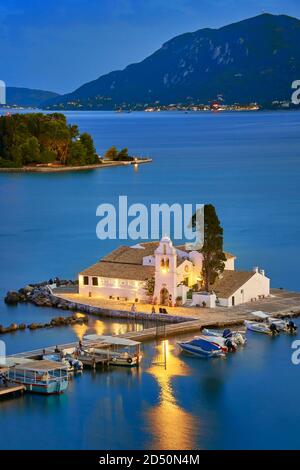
46	377
269	329
201	348
73	364
237	337
119	351
226	344
281	324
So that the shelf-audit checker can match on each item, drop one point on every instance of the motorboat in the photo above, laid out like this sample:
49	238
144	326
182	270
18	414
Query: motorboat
46	377
237	337
119	351
291	327
286	325
201	347
269	329
225	344
73	364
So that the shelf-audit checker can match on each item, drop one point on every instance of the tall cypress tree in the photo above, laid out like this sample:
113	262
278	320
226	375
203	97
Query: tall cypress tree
212	249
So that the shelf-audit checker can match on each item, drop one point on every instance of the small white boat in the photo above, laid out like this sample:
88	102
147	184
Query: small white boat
119	351
269	329
200	347
237	337
281	324
73	364
225	344
288	326
46	377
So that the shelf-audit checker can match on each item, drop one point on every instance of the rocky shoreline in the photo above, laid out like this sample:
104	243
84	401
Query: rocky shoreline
42	295
54	322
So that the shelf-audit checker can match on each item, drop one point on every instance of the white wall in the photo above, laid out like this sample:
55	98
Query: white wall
184	270
107	287
182	292
258	285
200	297
197	259
229	264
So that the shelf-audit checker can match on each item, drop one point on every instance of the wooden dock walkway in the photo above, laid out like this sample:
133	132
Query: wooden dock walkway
91	361
94	362
11	389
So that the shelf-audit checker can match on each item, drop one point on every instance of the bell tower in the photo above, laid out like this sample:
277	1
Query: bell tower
165	272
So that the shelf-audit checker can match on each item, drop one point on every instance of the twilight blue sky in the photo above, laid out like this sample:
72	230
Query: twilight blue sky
58	45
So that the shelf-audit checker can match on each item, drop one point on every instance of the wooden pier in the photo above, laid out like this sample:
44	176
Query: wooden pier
89	361
11	389
94	362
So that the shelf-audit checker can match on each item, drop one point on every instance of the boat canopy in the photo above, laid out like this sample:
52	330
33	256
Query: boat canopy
41	366
111	340
260	314
15	361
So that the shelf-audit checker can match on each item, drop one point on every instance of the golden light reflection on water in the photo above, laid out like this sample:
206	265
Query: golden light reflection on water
80	330
100	327
172	427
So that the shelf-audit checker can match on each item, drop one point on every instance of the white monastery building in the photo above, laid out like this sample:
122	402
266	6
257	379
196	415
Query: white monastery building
123	275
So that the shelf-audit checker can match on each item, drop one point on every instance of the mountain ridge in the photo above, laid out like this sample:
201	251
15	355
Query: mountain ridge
254	59
21	96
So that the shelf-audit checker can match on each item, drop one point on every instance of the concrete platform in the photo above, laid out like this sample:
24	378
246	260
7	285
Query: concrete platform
280	302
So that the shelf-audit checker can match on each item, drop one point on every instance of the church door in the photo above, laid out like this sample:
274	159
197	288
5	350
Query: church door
164	296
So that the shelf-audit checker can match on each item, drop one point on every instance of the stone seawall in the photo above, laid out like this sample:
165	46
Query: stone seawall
42	295
105	312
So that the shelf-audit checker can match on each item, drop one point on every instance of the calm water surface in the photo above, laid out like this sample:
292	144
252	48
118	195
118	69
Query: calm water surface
248	166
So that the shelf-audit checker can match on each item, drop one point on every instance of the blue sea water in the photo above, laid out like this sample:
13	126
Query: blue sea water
248	166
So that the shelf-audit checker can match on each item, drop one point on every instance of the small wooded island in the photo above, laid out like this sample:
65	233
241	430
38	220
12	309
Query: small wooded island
46	142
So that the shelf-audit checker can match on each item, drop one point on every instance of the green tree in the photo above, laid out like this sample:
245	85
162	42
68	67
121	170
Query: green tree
212	250
123	154
87	142
47	156
149	286
77	154
30	151
111	153
43	138
74	132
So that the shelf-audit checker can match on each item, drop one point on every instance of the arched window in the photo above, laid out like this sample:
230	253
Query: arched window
167	263
162	263
165	249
